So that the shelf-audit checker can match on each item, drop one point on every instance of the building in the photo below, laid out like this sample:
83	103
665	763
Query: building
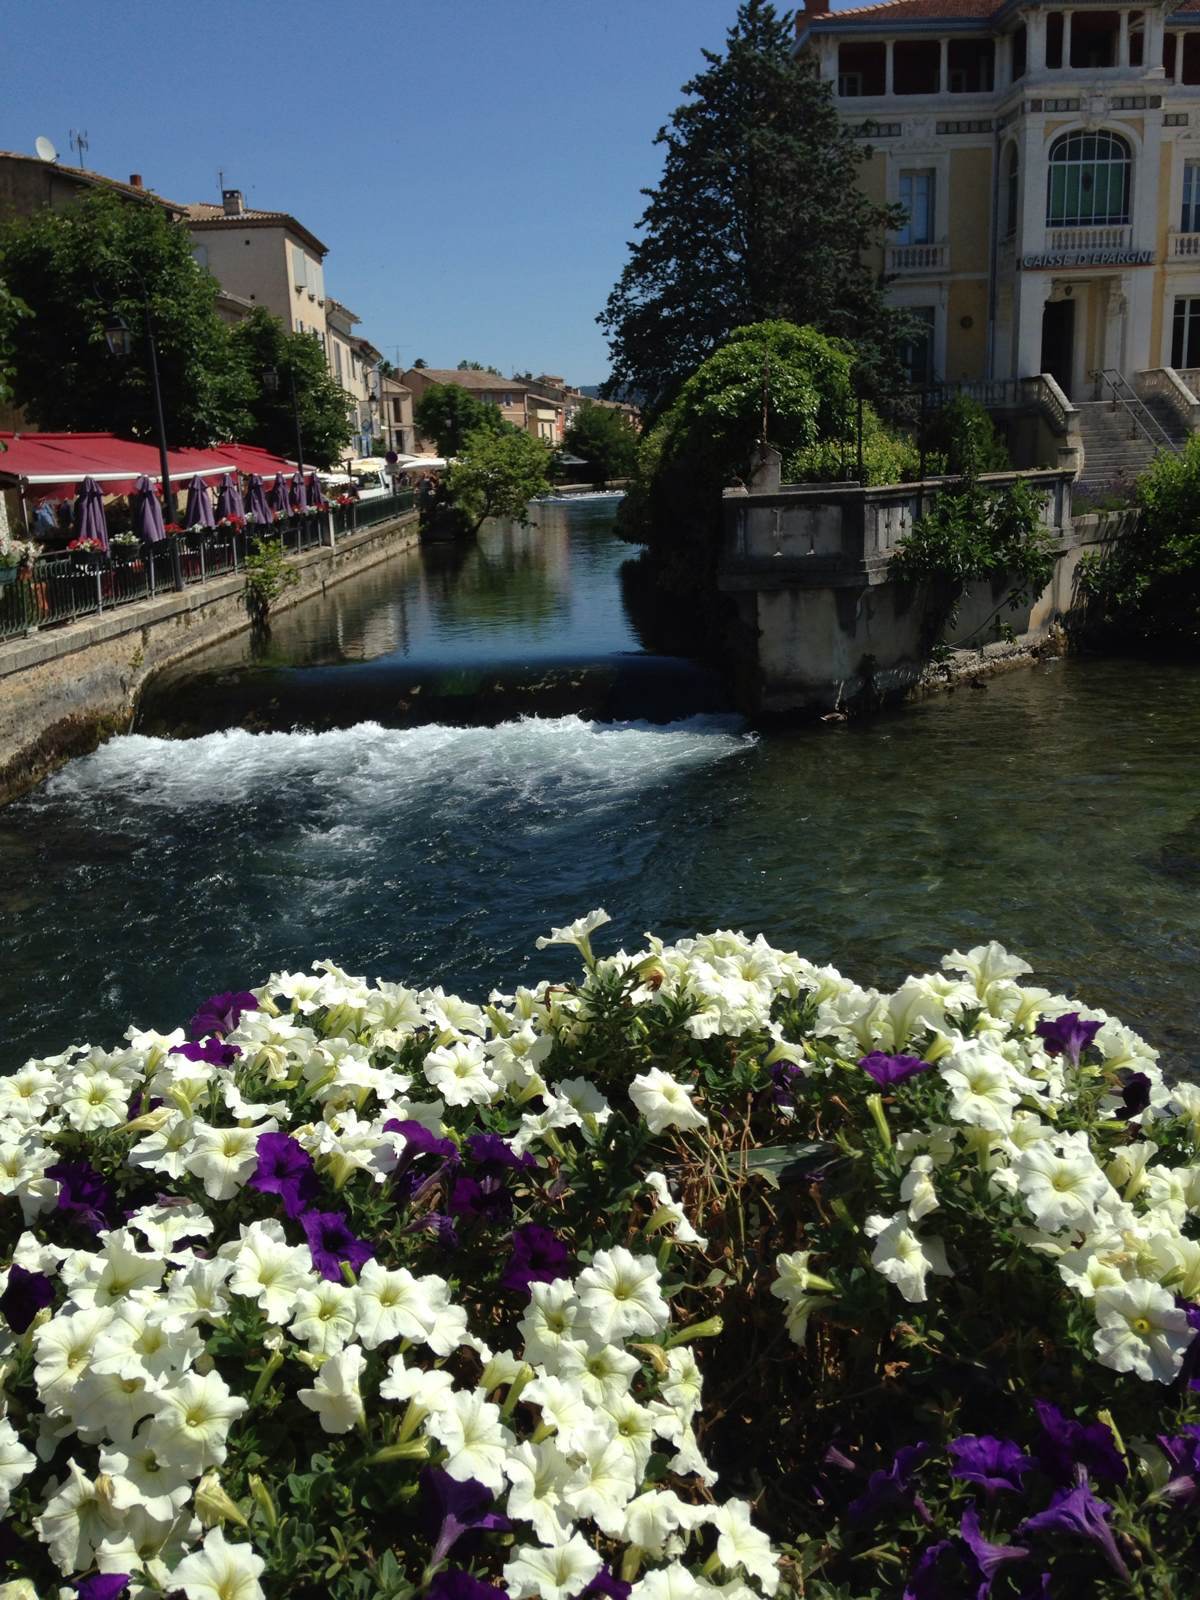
1048	161
520	400
267	258
396	416
29	184
349	367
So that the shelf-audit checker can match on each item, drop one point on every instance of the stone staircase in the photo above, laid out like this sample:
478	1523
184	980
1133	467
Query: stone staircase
1115	449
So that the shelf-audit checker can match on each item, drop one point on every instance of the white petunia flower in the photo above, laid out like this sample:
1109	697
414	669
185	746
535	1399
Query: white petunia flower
665	1102
15	1462
538	1473
655	1516
669	1210
741	1544
563	1406
903	1257
224	1158
392	1304
94	1101
62	1349
554	1572
476	1440
549	1318
621	1296
139	1478
461	1073
430	1390
77	1515
1141	1330
325	1317
605	1478
193	1422
981	1088
577	933
335	1395
1062	1191
220	1571
917	1190
267	1270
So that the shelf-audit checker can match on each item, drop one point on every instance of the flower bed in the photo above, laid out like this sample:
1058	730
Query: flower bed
710	1274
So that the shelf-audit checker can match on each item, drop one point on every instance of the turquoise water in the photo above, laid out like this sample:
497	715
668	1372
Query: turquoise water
1057	810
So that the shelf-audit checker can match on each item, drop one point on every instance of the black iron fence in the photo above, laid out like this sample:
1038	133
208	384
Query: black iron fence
359	514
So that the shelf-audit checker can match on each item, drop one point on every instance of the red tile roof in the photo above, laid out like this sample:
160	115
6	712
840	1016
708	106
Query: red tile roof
203	215
910	11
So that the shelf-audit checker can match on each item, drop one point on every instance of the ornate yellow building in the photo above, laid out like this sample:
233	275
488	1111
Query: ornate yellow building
1048	161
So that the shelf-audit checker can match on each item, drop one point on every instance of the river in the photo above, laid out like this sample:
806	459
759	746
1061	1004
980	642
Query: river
1056	810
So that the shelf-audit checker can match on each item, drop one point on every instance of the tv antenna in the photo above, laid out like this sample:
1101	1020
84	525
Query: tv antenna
79	143
221	181
45	148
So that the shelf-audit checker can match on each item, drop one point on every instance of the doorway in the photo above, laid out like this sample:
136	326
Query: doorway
1058	342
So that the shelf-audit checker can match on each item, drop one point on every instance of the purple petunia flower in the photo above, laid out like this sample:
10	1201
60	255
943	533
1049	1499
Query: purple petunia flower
221	1013
419	1140
888	1071
331	1242
439	1225
212	1051
989	1557
490	1150
994	1464
1067	1035
887	1490
454	1585
102	1586
285	1168
783	1077
938	1574
83	1194
1183	1457
25	1294
538	1256
1135	1096
1081	1515
1071	1451
606	1585
455	1506
486	1199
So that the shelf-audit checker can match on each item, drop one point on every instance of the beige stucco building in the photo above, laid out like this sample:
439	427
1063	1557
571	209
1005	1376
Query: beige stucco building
532	407
265	257
1048	161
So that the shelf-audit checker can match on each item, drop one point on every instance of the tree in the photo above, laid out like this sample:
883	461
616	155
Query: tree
758	216
79	269
497	475
605	440
11	312
420	363
447	413
478	366
262	342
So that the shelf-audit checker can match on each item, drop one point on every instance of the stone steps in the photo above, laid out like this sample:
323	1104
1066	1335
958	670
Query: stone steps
1113	446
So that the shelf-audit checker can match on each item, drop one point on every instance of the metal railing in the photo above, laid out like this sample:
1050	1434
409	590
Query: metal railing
1141	419
361	514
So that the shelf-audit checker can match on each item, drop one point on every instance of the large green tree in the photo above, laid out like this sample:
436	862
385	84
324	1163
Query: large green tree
447	413
758	215
263	345
81	268
497	475
11	312
605	440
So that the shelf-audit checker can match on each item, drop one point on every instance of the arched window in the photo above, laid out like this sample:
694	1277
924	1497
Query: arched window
1012	172
1089	181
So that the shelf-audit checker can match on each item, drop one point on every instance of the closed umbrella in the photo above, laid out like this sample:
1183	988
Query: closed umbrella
199	512
316	495
278	494
229	499
257	509
147	513
89	513
297	496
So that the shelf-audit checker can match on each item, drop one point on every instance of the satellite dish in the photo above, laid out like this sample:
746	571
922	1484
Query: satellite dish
44	148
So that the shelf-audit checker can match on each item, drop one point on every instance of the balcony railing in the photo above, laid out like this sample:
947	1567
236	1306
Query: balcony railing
917	257
1185	246
1078	239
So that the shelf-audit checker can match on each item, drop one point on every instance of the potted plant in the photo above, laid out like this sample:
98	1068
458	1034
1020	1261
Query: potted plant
125	545
87	554
11	557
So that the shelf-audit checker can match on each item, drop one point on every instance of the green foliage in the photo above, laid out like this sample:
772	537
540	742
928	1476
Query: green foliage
478	366
1145	586
887	456
972	533
968	438
758	215
605	440
261	341
268	575
12	311
76	269
497	475
447	413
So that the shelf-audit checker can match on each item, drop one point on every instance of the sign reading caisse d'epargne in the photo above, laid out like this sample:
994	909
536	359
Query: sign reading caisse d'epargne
1089	258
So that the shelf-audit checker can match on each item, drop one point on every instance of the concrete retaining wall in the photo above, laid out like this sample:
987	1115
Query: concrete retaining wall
63	690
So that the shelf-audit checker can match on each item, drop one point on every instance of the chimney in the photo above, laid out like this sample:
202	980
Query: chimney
812	10
232	201
135	181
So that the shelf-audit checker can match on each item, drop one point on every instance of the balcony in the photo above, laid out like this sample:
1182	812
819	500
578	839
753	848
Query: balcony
907	259
1185	247
1078	240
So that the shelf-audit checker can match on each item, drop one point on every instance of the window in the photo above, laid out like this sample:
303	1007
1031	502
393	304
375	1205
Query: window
916	353
1012	175
337	360
916	196
850	85
1185	340
862	68
299	275
1089	181
200	252
1190	220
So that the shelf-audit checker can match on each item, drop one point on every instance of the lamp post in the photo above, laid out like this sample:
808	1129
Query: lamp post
119	339
270	382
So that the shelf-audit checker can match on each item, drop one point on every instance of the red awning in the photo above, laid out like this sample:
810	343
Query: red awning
51	465
253	458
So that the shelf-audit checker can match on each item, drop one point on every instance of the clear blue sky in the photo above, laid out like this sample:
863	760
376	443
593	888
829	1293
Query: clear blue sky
473	165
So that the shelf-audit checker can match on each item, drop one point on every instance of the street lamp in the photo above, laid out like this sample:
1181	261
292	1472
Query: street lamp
270	383
119	339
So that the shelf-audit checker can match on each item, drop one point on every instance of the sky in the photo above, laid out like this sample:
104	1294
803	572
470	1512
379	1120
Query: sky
474	166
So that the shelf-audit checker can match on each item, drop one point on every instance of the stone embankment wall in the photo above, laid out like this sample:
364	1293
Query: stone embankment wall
64	689
820	622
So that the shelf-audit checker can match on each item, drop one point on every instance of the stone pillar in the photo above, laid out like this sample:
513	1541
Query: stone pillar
1033	288
889	77
1035	42
1123	41
944	66
766	471
1066	59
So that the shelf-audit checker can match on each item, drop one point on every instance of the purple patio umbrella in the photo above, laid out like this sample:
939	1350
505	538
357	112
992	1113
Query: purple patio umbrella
316	495
257	509
199	513
297	495
277	495
229	498
147	513
89	513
